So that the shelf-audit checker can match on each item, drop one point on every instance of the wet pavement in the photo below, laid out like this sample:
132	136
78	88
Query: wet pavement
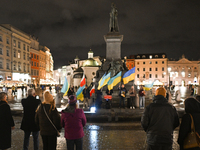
107	129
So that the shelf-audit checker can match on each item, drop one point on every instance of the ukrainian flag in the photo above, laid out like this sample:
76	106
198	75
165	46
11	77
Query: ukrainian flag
104	81
129	75
148	87
65	87
100	81
114	81
79	93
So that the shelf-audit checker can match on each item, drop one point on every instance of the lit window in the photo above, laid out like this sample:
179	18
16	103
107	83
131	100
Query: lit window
183	74
18	54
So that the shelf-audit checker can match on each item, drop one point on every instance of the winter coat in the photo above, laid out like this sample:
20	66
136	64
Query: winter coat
159	120
73	120
132	92
122	90
141	93
30	104
46	128
191	107
5	125
86	93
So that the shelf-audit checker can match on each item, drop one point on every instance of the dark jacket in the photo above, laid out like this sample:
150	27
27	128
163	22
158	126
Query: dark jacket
141	93
73	120
30	104
122	90
6	122
86	93
46	128
71	91
192	107
159	120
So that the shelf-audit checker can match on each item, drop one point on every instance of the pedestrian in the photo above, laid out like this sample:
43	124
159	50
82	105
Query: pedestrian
142	98
49	122
4	89
122	94
159	120
50	88
192	91
132	93
98	99
28	124
7	123
86	94
13	90
22	88
73	120
192	107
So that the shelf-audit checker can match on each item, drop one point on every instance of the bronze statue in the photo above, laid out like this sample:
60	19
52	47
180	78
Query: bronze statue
113	26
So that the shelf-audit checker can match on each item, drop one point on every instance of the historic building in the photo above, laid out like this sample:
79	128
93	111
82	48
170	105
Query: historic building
42	64
17	51
183	71
130	62
150	68
49	65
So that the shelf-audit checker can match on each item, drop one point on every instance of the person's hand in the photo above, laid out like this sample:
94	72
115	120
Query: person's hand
13	127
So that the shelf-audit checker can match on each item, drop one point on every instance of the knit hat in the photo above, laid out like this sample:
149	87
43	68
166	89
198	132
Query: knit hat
72	99
161	91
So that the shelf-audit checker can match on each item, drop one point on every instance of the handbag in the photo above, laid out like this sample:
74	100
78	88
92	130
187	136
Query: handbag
58	133
193	139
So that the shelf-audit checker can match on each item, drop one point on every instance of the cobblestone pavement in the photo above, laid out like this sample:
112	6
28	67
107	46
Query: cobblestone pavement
98	136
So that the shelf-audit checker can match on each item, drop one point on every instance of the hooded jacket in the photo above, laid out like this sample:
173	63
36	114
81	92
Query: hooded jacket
159	120
73	120
192	106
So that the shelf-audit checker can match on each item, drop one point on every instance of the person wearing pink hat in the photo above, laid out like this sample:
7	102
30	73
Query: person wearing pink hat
73	120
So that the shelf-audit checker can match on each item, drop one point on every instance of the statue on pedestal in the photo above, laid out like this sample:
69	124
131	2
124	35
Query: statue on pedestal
113	26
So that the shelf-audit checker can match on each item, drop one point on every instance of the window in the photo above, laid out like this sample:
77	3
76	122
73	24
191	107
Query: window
1	51
24	46
183	74
138	69
195	67
150	76
138	56
27	56
150	62
189	75
163	69
131	65
163	56
34	72
143	69
163	62
34	63
19	67
7	41
1	65
24	68
7	65
143	56
138	63
31	72
31	55
14	54
37	73
19	44
143	75
7	52
156	76
37	65
28	48
163	75
143	62
156	69
149	69
156	56
156	62
19	54
1	40
138	75
37	57
14	66
24	56
14	43
28	68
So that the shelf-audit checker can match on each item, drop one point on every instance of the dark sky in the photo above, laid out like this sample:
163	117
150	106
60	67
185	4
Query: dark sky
72	27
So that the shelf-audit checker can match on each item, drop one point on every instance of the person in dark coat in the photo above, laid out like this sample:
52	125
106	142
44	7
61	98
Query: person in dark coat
70	91
122	94
86	94
98	99
7	122
159	120
28	124
47	130
73	120
192	106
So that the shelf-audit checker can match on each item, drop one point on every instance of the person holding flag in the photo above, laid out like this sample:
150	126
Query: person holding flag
79	93
86	94
65	87
122	94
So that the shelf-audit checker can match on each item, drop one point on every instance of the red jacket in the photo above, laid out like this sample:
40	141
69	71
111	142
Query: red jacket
73	120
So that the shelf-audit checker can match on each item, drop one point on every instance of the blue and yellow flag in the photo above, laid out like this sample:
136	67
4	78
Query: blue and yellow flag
79	93
148	87
129	75
114	81
100	81
104	81
65	87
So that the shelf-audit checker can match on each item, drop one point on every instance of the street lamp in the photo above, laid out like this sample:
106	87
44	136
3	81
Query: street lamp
59	70
169	69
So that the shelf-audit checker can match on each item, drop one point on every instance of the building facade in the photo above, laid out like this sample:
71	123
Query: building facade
130	62
151	68
49	65
183	71
42	64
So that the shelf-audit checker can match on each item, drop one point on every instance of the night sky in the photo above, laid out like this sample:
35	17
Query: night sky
72	27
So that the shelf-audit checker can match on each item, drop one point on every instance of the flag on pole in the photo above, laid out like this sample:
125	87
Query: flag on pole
83	81
100	81
104	81
79	93
114	81
148	87
92	90
129	75
65	87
